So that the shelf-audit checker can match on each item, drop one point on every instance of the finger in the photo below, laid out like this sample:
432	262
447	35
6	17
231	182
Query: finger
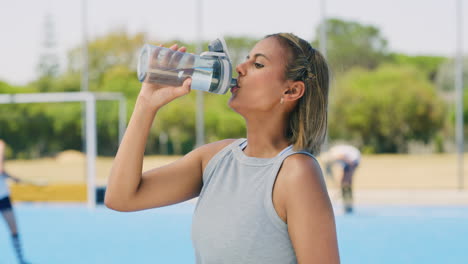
155	57
175	59
156	62
185	88
166	57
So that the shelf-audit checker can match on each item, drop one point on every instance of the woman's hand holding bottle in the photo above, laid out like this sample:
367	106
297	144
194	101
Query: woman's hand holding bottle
156	96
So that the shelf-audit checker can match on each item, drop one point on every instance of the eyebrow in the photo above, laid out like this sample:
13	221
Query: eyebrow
258	55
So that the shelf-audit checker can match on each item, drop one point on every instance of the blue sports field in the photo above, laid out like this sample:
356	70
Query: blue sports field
64	233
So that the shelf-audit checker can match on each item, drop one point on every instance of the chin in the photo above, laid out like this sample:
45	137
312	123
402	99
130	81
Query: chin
234	104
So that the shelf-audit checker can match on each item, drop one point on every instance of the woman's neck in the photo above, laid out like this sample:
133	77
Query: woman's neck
265	138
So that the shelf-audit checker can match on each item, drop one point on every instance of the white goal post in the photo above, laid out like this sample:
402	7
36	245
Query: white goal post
90	99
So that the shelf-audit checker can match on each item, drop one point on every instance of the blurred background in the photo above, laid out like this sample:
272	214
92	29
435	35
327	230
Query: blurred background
392	63
396	66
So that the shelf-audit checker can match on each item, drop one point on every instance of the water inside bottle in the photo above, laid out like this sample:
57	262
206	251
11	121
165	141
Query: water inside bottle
201	74
168	67
175	77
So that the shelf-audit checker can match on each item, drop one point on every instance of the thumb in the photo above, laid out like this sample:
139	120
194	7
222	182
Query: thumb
185	88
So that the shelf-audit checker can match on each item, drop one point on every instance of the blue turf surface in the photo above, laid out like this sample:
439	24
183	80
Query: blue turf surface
73	234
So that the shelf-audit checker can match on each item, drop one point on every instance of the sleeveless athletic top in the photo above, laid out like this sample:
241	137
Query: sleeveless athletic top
234	219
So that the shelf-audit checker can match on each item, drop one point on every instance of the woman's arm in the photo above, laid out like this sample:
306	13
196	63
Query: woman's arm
130	190
309	213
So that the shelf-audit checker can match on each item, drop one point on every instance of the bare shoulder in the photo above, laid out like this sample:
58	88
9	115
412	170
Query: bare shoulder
301	178
308	211
300	168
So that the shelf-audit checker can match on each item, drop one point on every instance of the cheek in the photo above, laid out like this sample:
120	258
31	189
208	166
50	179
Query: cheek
268	87
263	93
261	98
268	77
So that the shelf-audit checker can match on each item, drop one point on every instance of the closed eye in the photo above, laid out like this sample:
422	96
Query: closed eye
256	64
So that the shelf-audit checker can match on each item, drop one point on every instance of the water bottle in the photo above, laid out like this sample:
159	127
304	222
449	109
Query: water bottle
210	71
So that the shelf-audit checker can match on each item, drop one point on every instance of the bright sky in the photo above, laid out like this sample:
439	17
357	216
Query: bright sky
410	26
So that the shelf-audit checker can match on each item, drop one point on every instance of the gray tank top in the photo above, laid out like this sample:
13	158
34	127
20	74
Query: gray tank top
234	219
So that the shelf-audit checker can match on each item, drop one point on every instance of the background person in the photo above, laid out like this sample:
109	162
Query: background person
262	199
348	157
5	205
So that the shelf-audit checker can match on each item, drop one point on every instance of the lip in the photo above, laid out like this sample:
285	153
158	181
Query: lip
235	89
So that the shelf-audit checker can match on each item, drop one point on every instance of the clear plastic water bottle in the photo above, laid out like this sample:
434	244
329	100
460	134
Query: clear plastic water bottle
210	71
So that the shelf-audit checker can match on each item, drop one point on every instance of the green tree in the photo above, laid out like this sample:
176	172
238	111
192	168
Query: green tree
221	121
385	108
351	44
120	79
117	48
428	64
48	65
465	108
465	111
48	60
177	119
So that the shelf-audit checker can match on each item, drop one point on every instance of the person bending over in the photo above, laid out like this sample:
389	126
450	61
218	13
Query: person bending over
348	157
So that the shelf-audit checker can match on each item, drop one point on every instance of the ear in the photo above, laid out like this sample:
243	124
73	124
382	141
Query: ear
294	91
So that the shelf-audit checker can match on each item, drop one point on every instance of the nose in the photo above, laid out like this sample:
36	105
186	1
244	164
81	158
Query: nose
240	69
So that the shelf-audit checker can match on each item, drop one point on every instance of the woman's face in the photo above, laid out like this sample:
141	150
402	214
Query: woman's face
261	80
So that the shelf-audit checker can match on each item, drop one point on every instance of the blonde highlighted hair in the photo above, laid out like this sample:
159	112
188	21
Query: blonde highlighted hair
307	126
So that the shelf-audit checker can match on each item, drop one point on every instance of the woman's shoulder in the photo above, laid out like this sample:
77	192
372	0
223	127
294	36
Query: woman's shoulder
300	182
218	145
301	165
209	150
